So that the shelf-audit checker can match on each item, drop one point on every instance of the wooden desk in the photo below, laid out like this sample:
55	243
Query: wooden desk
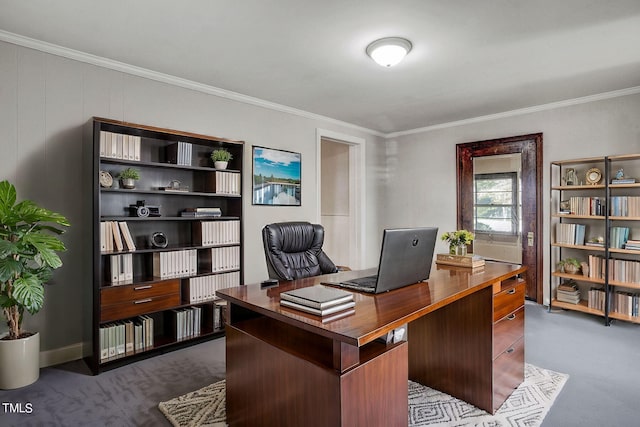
287	368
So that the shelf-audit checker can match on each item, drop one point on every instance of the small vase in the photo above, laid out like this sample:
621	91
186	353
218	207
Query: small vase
128	183
220	165
461	250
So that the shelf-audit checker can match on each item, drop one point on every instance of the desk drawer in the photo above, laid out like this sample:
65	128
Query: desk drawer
508	372
127	293
133	308
508	300
507	331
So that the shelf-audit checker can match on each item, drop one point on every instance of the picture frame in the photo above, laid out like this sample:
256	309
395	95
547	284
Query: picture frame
277	176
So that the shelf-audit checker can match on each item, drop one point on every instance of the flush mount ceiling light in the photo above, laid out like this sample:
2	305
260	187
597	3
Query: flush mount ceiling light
389	51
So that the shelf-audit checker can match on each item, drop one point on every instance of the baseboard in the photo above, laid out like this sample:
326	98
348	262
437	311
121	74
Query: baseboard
62	355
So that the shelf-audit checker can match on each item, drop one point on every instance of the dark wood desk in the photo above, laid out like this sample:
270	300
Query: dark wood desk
287	368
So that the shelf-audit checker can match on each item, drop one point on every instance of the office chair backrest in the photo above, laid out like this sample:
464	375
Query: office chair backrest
294	250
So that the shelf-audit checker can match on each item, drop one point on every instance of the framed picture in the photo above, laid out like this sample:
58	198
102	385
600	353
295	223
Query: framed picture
276	177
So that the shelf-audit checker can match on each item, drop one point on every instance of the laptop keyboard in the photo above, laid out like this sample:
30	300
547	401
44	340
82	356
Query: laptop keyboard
364	284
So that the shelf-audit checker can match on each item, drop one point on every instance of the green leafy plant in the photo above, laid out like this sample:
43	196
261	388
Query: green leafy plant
28	255
129	173
568	264
458	238
221	155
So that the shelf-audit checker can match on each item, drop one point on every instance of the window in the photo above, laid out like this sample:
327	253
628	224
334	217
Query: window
496	203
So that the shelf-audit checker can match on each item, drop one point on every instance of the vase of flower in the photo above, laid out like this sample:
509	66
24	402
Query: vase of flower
458	241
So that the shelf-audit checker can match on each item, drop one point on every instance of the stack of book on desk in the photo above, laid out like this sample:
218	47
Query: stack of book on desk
468	261
318	299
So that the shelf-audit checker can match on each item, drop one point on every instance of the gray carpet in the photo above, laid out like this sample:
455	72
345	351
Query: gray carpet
602	363
526	407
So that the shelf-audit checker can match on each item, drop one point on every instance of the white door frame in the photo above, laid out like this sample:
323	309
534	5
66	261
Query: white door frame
357	180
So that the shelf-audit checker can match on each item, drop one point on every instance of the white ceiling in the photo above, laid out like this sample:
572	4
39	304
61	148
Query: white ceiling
470	58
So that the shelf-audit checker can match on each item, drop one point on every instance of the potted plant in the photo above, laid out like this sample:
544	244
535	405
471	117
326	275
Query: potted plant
569	266
128	177
221	158
458	241
28	256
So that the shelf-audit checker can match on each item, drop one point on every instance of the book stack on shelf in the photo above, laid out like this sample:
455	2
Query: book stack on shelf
570	234
586	206
619	237
115	236
568	292
180	153
627	303
201	212
625	206
633	245
319	300
119	146
186	322
124	338
596	298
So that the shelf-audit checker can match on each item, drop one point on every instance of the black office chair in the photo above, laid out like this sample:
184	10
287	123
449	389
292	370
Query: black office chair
294	250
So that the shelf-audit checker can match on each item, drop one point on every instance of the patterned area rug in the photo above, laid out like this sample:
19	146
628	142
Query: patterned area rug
527	405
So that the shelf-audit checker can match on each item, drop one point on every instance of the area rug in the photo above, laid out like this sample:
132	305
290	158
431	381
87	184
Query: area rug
527	405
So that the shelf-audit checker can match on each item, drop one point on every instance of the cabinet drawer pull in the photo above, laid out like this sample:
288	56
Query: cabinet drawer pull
142	301
511	291
512	316
511	350
140	288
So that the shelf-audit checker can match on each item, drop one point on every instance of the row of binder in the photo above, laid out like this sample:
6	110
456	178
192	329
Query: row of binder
119	146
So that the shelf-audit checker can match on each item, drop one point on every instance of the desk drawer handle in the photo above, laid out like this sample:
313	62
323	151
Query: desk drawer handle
511	291
511	350
141	288
142	301
512	316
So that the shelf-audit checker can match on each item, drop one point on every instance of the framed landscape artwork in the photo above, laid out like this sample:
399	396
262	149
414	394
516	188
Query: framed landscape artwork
276	177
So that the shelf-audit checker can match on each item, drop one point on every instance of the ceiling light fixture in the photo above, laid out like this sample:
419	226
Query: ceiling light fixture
389	51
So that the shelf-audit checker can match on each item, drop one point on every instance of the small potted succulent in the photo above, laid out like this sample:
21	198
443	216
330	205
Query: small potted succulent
221	158
128	178
569	266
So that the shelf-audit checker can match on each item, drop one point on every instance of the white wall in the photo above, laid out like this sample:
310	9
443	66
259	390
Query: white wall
420	187
46	102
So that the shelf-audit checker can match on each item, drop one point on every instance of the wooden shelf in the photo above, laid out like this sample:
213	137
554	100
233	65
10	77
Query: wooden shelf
595	226
148	295
581	306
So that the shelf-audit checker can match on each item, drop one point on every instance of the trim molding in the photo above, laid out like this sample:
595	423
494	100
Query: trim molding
222	93
64	354
169	79
536	108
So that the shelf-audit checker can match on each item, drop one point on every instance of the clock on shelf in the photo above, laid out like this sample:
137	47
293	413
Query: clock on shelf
594	175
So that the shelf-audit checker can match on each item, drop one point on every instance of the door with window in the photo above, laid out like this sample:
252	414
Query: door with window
499	191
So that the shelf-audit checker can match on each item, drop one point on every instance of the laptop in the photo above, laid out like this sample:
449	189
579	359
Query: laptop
405	258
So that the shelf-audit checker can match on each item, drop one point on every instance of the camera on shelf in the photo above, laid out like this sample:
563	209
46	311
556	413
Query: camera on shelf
140	209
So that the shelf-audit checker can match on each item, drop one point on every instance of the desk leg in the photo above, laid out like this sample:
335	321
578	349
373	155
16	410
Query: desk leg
269	386
451	349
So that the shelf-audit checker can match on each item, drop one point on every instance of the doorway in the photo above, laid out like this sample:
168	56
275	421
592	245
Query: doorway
522	213
341	197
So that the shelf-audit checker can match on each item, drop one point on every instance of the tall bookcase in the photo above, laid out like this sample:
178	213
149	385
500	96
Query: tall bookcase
595	219
161	249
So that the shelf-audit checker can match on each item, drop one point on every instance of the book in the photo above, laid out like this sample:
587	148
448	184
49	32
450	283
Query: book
318	297
469	260
319	312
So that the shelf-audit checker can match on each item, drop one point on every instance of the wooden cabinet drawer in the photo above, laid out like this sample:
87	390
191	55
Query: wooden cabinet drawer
127	293
508	300
138	306
507	331
508	372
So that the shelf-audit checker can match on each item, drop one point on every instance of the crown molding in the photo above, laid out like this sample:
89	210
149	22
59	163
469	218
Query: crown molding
528	110
168	79
235	96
